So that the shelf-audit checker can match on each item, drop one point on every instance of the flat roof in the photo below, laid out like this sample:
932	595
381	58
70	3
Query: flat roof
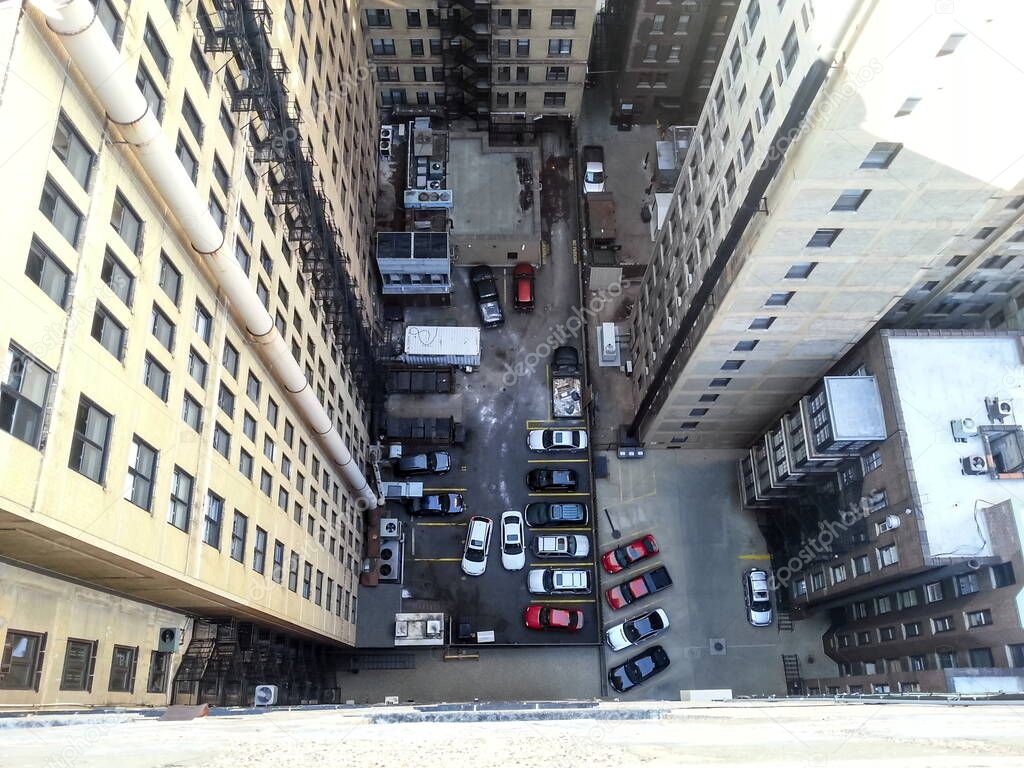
855	408
944	378
490	189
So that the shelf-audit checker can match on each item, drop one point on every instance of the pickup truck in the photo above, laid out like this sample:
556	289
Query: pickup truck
593	169
566	385
638	588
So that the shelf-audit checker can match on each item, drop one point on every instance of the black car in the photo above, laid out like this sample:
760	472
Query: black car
436	463
552	479
545	513
437	504
486	291
638	669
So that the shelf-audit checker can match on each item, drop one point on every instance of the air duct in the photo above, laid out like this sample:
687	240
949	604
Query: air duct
112	81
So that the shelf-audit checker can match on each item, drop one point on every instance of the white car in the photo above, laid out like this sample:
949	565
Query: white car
757	596
478	543
513	554
593	169
559	581
557	440
636	630
561	545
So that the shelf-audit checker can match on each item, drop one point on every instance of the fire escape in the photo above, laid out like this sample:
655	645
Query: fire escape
226	660
466	56
242	28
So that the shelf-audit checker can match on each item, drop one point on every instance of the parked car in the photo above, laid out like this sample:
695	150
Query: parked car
557	439
513	550
622	557
486	290
638	669
561	545
593	169
478	544
523	297
437	504
547	479
559	581
757	597
543	617
542	514
434	463
636	630
639	587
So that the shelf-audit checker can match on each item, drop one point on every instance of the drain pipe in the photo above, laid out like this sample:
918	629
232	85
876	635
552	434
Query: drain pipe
113	82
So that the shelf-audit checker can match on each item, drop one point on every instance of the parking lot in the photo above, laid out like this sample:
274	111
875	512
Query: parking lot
498	404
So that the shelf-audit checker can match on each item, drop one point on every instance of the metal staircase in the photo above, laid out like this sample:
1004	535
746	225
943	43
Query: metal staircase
785	621
791	670
466	56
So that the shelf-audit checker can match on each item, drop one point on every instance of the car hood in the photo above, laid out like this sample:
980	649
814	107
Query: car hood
473	568
535	580
760	618
616	637
619	679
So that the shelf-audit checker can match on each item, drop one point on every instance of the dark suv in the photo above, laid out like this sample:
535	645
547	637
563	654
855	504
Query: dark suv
545	479
486	291
544	513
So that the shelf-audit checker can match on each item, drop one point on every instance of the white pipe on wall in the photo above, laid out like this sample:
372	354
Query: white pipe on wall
113	81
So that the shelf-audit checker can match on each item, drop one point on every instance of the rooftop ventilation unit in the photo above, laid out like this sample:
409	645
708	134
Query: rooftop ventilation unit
390	527
974	465
963	429
266	696
385	132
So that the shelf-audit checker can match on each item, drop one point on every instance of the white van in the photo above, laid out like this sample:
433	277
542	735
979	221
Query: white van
478	543
561	545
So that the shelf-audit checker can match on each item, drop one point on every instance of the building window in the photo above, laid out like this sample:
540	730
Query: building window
117	277
190	115
293	571
382	46
885	634
967	584
79	665
861	565
881	155
413	18
554	99
912	629
779	299
138	484
150	92
823	238
221	440
108	331
226	400
839	573
157	49
719	382
318	594
110	20
277	572
817	581
90	442
801	271
946	659
872	461
307	579
239	530
981	618
61	212
71	148
159	671
156	377
21	666
943	624
560	47
557	74
1015	654
850	199
126	223
1002	575
887	555
767	99
122	669
906	598
732	365
933	592
377	17
212	518
23	397
761	323
203	322
45	270
565	19
179	510
259	551
981	658
245	463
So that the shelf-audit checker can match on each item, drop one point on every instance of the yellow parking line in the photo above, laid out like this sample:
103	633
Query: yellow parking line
455	524
443	490
755	557
557	461
563	601
555	531
437	559
564	563
567	423
559	495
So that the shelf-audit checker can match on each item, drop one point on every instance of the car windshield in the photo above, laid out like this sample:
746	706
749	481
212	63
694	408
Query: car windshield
631	632
595	177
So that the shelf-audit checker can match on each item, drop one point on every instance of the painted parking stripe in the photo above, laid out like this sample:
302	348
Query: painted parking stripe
555	531
561	601
455	524
444	490
559	495
557	461
561	564
755	557
566	423
437	559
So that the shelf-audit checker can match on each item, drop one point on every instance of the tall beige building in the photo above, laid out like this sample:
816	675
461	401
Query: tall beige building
855	162
503	64
163	462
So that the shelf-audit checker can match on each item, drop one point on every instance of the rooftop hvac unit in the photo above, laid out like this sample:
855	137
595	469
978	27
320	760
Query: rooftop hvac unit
390	527
266	696
963	429
998	410
433	185
169	640
385	131
892	521
974	465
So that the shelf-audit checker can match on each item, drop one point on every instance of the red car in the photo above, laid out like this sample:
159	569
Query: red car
639	587
522	279
621	558
542	617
